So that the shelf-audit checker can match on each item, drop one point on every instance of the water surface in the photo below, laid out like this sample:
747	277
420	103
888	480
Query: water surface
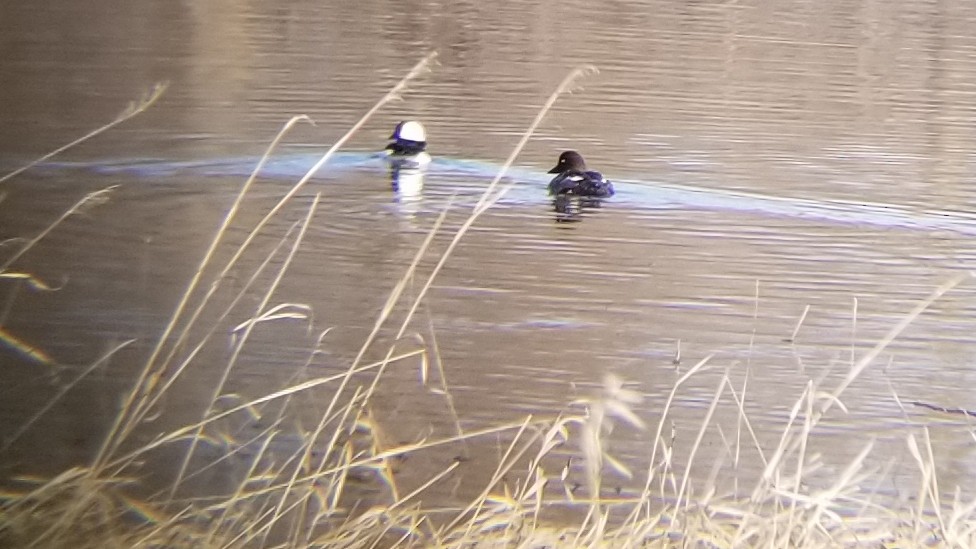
771	157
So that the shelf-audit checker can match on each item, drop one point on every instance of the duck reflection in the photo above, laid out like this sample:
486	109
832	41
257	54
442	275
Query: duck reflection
569	208
407	182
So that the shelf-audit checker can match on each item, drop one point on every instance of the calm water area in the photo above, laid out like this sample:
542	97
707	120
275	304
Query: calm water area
771	158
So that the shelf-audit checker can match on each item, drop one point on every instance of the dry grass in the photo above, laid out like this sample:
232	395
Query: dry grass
301	499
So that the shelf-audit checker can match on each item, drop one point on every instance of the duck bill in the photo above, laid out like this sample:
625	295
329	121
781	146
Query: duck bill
557	169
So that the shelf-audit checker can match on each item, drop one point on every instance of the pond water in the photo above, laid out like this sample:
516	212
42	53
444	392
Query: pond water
768	157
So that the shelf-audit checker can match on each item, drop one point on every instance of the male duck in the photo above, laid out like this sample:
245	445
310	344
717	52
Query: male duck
407	145
575	179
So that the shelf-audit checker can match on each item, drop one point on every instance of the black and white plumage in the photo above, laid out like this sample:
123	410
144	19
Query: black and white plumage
408	144
574	179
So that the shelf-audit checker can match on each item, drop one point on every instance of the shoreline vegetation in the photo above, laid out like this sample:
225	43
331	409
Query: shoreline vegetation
301	501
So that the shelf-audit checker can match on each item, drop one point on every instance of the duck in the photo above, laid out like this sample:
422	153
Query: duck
408	144
574	179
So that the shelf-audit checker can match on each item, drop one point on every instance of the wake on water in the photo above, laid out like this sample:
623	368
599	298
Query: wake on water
531	186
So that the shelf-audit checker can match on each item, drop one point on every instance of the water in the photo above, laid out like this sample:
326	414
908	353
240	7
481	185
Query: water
767	158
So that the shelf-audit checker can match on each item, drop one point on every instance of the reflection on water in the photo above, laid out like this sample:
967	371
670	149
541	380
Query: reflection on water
769	158
407	183
571	208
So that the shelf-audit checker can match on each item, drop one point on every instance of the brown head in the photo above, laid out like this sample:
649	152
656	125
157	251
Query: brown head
569	160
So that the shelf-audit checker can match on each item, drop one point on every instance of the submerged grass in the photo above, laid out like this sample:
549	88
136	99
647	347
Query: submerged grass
302	498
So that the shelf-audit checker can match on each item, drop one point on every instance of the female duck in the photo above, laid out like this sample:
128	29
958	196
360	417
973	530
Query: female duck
408	144
574	179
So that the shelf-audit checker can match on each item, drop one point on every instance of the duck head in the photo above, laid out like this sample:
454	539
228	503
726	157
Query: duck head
409	130
409	138
569	160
